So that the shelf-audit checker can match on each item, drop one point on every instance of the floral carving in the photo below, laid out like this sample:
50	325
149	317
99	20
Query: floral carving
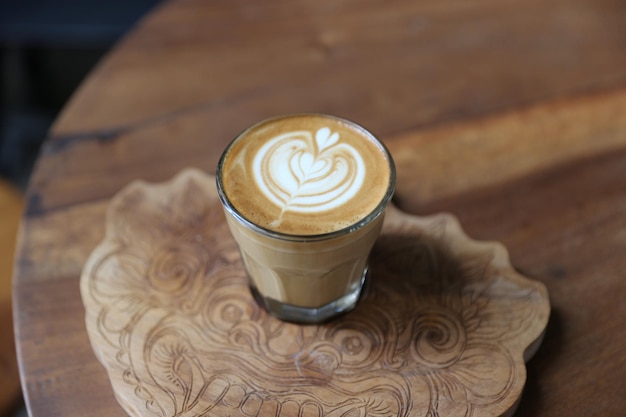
443	328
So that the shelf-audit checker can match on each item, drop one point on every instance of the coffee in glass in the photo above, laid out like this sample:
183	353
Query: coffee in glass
304	197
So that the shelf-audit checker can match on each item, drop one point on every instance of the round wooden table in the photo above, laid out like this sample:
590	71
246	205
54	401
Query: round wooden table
510	115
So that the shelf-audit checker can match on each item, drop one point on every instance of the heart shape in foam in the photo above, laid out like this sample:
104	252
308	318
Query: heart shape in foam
302	173
306	167
324	138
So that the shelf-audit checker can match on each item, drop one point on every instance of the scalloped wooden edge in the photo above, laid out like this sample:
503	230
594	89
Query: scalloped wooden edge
500	257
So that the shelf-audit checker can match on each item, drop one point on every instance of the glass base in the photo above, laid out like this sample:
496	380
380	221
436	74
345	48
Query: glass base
290	312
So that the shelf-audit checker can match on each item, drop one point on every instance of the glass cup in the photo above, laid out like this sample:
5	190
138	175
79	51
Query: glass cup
306	277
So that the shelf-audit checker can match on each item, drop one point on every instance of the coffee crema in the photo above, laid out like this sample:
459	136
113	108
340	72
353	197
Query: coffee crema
305	174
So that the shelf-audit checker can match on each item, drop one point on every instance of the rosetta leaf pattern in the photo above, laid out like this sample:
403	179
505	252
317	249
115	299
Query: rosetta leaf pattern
309	173
440	330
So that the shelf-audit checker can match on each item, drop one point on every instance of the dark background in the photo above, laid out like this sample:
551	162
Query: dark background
47	48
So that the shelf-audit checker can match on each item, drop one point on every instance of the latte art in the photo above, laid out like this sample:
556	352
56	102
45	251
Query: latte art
305	218
306	174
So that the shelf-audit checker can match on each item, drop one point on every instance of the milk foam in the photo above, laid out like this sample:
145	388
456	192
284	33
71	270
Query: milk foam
306	174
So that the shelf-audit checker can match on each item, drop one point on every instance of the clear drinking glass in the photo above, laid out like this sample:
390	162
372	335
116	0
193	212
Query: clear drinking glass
308	278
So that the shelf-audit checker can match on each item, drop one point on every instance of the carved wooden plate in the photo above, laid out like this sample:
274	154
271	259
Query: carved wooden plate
444	327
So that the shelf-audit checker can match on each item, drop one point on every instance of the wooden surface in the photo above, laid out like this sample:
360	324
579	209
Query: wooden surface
11	206
444	327
510	115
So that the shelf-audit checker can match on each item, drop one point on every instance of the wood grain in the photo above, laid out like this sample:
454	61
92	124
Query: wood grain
11	206
490	152
443	329
511	115
392	67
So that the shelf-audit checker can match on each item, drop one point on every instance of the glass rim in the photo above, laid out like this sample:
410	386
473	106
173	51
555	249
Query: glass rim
365	220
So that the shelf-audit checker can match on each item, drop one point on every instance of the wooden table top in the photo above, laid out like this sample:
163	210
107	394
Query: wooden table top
510	115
